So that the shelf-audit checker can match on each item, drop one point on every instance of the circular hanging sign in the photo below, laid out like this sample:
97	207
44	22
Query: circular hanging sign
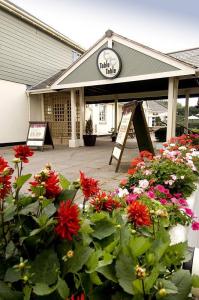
109	63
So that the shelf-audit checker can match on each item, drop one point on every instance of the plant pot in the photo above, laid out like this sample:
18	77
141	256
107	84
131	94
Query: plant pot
89	140
113	138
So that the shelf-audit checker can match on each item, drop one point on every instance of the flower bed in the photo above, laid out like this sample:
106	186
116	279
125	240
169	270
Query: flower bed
112	246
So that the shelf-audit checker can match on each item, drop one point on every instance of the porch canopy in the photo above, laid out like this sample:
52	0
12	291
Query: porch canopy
139	73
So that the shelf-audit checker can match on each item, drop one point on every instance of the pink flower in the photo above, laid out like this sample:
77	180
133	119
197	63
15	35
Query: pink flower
188	211
151	194
177	195
174	200
195	225
182	202
163	201
131	197
160	188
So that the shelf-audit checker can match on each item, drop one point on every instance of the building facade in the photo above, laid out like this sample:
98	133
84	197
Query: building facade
30	51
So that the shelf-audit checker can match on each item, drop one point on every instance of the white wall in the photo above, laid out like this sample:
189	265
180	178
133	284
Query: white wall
102	128
13	112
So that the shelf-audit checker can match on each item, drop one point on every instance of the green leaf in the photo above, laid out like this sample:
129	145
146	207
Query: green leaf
42	289
12	275
107	260
195	281
139	245
108	272
182	280
9	212
27	290
45	267
137	287
93	260
10	249
6	293
81	255
65	183
66	195
21	180
150	280
30	209
169	286
62	288
125	273
49	210
103	229
94	277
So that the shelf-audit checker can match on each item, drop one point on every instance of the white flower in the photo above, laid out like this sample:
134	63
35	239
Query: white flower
174	177
147	172
182	148
172	145
122	192
195	153
170	182
138	190
143	183
182	177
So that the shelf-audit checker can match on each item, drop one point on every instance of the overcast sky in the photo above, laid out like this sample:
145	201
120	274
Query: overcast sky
165	25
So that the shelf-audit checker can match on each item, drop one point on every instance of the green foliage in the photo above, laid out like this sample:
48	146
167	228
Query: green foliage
89	126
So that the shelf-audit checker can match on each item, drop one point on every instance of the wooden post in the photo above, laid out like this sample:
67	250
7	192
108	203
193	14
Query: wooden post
116	116
172	107
186	111
82	115
73	142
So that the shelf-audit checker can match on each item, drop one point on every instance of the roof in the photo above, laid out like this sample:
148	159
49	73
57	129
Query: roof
25	16
156	107
175	57
190	56
47	82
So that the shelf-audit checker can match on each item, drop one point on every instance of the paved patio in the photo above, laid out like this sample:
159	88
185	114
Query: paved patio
92	160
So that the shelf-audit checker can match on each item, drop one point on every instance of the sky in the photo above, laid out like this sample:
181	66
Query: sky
165	25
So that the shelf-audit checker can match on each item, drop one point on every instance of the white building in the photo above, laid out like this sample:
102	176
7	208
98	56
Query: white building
30	52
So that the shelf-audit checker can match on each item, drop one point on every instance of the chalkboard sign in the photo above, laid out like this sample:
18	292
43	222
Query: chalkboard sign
39	135
132	112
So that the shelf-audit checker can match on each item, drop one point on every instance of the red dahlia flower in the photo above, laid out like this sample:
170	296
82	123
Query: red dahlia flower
68	220
5	177
138	214
23	152
88	185
104	202
50	181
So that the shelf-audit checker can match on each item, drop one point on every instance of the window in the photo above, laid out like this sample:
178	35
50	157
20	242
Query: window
153	121
75	55
102	113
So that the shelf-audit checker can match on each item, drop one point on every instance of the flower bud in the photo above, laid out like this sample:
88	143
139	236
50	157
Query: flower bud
16	160
48	166
162	292
70	254
140	272
25	278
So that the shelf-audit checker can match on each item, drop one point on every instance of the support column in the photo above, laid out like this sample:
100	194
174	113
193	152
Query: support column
116	116
186	111
172	107
82	115
73	142
42	108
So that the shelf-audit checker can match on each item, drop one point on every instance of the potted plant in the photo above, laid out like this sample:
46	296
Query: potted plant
89	137
113	134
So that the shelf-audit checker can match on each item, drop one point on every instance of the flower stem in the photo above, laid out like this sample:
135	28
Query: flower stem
84	203
145	296
2	221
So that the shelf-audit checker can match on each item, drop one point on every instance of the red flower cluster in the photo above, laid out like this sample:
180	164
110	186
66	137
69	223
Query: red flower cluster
5	177
78	297
146	154
138	214
23	152
68	220
50	181
104	202
88	185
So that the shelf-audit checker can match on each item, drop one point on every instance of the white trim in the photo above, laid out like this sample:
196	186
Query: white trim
153	53
185	69
123	79
110	43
